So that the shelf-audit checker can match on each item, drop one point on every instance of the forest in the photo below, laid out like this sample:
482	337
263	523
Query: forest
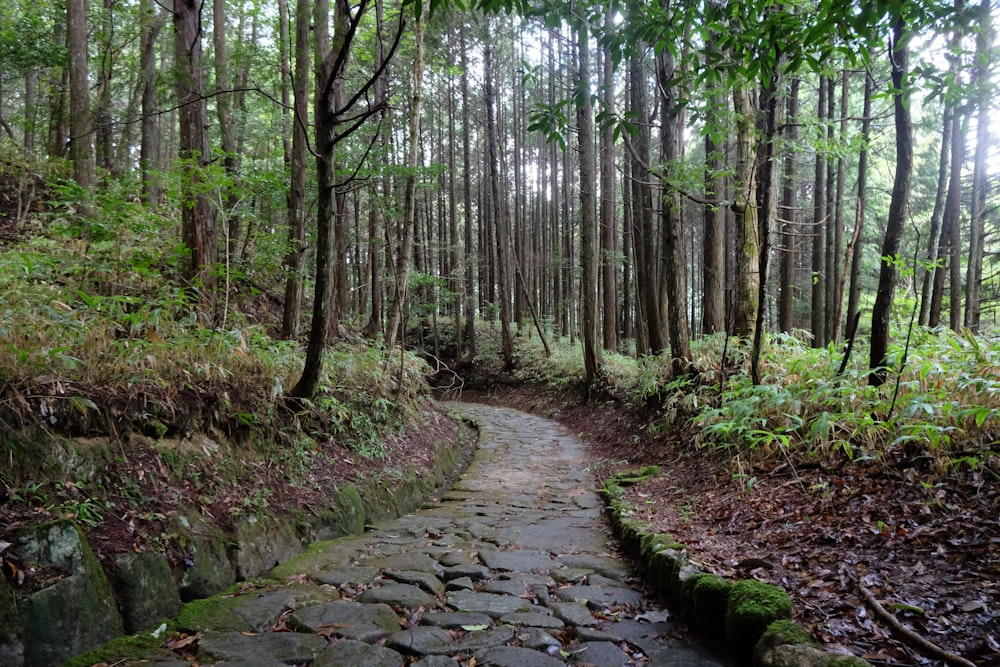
765	231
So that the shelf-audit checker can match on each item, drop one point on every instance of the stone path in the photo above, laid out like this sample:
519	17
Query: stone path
512	568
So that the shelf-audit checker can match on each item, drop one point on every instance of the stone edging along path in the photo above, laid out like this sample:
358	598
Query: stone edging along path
749	617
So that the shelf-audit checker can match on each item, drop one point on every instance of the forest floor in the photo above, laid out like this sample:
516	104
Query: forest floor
926	545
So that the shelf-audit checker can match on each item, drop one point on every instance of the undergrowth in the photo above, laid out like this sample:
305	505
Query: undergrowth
942	408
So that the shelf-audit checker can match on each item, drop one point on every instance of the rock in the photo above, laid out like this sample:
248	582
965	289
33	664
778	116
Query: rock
487	603
518	560
751	606
350	511
533	619
206	569
573	613
600	597
147	589
270	648
77	610
456	619
421	640
347	619
398	595
514	656
601	654
350	653
11	645
261	544
424	580
480	639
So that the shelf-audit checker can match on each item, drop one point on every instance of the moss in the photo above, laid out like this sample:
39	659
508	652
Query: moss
652	543
784	632
848	661
121	649
201	614
751	607
704	600
632	477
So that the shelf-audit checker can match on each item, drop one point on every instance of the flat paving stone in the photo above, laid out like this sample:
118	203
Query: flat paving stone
271	647
509	565
398	595
350	653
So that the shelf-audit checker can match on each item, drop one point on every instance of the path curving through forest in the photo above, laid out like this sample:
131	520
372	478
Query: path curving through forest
513	567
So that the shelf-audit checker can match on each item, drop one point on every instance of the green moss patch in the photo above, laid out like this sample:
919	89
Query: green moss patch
751	607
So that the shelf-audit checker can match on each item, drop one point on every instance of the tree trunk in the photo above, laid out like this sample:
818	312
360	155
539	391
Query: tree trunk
818	305
980	171
501	226
674	277
149	150
745	208
882	310
789	216
588	213
949	246
197	217
854	247
81	137
405	252
296	193
642	210
230	151
469	258
933	236
609	290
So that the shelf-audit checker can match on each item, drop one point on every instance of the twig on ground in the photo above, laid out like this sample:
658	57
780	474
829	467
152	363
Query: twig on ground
909	636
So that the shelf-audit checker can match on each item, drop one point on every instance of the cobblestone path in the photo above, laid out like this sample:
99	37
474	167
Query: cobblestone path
512	568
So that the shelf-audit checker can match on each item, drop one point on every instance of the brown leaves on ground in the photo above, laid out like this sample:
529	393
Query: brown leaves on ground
927	544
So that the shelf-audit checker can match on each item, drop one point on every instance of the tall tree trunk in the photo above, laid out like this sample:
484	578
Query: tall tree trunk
789	216
609	291
674	274
149	149
882	309
470	274
588	212
980	171
745	208
198	217
840	272
500	223
294	258
819	222
223	110
642	210
949	245
81	137
933	236
104	148
861	198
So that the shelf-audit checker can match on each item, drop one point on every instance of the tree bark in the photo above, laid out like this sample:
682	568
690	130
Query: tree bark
980	171
609	290
882	311
819	222
149	148
789	216
745	208
405	252
81	137
588	213
294	258
861	198
223	109
197	217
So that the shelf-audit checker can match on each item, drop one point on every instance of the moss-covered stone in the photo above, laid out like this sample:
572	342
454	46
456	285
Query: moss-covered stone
73	613
122	649
751	607
632	477
206	568
780	633
351	511
146	588
11	646
704	601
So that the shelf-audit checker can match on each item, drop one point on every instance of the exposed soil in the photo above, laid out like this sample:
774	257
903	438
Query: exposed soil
926	544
